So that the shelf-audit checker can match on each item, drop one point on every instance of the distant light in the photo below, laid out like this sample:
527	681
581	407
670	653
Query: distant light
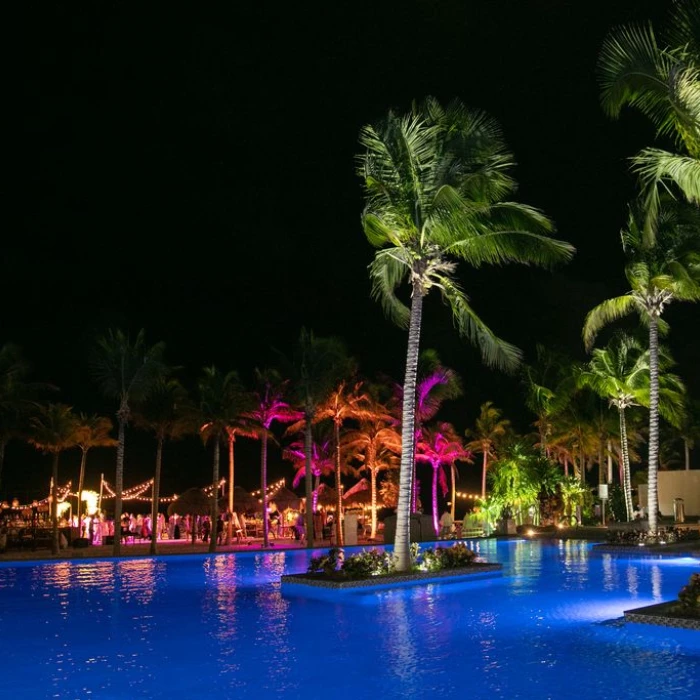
530	533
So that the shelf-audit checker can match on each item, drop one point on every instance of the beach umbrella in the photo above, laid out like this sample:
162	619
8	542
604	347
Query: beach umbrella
192	502
243	502
326	496
285	499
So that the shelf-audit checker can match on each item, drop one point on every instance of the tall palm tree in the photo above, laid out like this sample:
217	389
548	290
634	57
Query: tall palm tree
435	180
53	431
317	366
125	370
322	458
662	80
238	426
440	446
342	404
165	413
489	430
657	274
91	431
270	407
220	397
375	444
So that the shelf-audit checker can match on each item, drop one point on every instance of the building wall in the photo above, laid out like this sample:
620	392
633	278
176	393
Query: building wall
683	484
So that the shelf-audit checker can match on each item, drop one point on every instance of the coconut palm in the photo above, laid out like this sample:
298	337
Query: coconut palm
220	398
660	78
375	444
322	458
490	429
165	413
440	446
514	479
270	407
53	430
657	274
125	370
317	366
435	180
91	431
238	426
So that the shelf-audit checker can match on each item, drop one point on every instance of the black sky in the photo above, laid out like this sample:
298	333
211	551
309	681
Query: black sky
189	168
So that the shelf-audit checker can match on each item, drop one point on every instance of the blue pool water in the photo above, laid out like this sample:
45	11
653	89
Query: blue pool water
219	626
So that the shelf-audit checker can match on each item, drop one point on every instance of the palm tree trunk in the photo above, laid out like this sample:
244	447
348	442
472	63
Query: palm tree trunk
308	415
156	496
263	488
686	450
119	480
484	465
373	486
3	445
81	479
229	528
402	543
436	517
626	481
214	498
54	504
453	492
652	481
610	470
338	487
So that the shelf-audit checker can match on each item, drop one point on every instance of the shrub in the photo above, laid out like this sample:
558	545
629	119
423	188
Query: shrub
440	558
689	597
327	564
368	563
665	535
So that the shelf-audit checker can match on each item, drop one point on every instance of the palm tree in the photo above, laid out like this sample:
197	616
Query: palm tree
322	459
125	370
435	180
489	430
440	446
342	404
514	479
658	274
317	366
165	413
270	407
53	431
375	444
220	397
620	373
91	431
238	426
661	80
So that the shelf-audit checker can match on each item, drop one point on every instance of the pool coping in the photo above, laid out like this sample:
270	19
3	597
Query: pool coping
659	614
391	580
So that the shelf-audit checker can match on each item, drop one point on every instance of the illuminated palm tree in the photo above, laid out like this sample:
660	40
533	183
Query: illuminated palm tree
238	427
435	180
53	431
658	274
270	407
322	459
440	446
125	370
165	413
490	429
220	397
514	480
661	80
91	431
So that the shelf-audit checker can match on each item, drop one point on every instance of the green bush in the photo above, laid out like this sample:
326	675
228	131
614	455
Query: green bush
689	597
367	563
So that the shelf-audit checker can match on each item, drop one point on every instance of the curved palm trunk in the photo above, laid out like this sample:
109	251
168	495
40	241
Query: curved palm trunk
338	485
263	487
436	519
81	479
214	499
119	480
308	477
402	545
54	504
373	487
229	527
652	492
626	481
156	496
484	466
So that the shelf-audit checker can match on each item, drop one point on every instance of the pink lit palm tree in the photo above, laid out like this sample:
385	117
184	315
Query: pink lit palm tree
322	461
270	407
440	446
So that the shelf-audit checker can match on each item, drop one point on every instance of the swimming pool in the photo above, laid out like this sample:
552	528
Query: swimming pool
190	626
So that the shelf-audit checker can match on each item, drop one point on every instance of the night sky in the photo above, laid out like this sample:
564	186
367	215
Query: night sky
189	168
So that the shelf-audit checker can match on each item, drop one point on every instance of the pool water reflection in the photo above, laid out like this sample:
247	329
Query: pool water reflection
188	626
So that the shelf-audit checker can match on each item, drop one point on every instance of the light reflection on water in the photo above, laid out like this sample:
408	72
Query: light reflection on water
155	627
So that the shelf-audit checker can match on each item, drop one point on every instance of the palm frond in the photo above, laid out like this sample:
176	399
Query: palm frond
605	313
387	271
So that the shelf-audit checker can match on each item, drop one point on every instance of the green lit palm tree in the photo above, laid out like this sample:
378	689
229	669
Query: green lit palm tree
165	413
435	180
125	370
53	430
91	431
490	429
659	76
658	274
514	480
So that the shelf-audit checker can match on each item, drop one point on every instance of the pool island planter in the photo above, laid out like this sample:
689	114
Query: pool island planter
664	615
412	578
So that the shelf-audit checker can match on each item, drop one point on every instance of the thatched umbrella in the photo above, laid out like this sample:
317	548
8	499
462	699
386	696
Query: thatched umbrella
285	499
326	496
243	502
193	502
